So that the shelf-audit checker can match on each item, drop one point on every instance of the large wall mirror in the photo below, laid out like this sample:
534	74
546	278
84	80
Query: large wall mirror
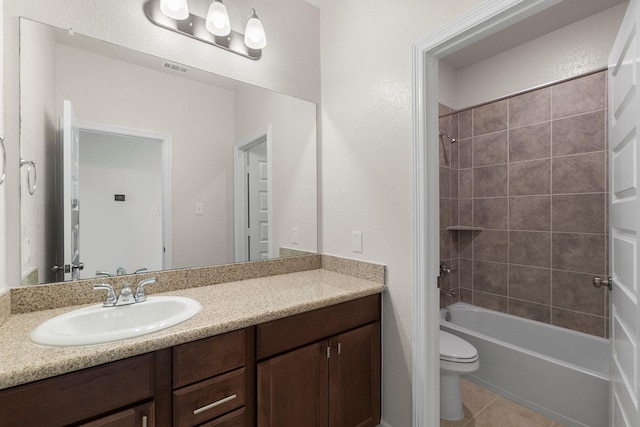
132	162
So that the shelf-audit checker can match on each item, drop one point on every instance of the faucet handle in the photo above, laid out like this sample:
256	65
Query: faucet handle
111	295
140	296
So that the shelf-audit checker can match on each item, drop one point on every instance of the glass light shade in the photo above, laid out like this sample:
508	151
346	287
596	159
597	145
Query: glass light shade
176	9
254	36
218	19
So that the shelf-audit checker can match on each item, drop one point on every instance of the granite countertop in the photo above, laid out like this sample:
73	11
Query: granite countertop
225	307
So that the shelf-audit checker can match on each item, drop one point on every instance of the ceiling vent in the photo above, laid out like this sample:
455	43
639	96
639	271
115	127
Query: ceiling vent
174	67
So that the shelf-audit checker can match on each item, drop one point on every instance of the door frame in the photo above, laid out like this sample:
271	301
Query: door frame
486	19
165	140
240	207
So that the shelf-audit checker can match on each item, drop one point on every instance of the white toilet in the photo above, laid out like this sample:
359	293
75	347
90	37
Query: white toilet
457	357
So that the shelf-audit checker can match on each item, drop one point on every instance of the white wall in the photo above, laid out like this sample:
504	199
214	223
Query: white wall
293	132
39	123
125	233
290	64
447	84
570	51
366	156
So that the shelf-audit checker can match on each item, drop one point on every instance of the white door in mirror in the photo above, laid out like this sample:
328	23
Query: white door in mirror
97	324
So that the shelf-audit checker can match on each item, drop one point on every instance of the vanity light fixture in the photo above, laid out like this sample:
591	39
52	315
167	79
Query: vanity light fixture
218	19
215	29
176	9
254	36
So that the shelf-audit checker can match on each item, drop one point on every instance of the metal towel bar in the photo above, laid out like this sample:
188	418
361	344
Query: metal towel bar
31	166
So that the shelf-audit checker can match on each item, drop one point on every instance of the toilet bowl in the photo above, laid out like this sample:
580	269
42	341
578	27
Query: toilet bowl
457	357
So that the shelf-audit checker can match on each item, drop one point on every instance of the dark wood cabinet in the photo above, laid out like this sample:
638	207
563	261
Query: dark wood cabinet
292	388
319	368
81	396
139	416
332	382
213	377
354	378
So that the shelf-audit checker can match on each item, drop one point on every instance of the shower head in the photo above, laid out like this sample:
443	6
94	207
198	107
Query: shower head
451	140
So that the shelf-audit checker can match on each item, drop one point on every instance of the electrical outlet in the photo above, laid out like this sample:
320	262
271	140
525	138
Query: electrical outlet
356	241
295	236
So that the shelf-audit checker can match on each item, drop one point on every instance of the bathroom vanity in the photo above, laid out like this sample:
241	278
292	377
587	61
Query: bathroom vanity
305	351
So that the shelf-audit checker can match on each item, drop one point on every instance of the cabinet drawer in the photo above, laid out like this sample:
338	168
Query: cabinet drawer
206	358
234	419
195	404
285	334
139	416
79	395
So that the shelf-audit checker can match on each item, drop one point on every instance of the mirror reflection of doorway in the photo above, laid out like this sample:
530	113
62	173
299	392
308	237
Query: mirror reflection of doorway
252	198
258	205
121	210
122	199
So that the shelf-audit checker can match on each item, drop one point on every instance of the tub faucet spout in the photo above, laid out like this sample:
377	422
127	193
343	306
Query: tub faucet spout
448	292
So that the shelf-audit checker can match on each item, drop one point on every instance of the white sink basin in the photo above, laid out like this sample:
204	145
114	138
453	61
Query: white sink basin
97	324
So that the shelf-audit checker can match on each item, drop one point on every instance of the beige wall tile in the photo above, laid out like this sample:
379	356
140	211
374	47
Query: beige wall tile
529	108
530	142
490	118
578	96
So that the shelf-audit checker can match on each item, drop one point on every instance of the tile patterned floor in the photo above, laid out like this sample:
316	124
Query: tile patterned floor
483	408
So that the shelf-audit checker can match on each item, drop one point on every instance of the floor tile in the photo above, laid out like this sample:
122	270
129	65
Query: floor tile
497	415
474	397
483	408
527	413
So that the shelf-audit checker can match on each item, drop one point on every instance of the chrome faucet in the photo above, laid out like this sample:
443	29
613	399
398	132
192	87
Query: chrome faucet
121	271
126	296
140	296
444	270
448	292
140	270
111	295
103	273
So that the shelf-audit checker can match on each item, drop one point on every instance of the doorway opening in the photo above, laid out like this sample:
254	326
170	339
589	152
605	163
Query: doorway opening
476	25
116	212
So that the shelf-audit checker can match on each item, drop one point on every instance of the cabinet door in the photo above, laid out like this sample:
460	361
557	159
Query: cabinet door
292	388
140	416
354	378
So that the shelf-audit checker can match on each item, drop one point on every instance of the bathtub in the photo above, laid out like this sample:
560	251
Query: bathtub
554	371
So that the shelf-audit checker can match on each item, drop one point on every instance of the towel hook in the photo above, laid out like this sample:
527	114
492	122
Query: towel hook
4	160
31	166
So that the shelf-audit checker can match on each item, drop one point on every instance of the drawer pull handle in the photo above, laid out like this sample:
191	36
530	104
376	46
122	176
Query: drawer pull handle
214	404
144	421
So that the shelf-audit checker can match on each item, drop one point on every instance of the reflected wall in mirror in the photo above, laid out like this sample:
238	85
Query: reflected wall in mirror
213	124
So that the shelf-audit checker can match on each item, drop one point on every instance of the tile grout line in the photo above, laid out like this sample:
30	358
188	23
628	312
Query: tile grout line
508	206
482	409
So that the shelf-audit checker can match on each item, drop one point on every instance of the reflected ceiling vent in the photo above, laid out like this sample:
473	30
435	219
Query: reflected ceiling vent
174	67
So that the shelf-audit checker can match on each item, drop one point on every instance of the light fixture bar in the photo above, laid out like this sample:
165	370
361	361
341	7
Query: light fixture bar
196	27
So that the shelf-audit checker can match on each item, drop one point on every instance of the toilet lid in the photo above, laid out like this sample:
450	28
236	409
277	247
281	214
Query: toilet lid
455	349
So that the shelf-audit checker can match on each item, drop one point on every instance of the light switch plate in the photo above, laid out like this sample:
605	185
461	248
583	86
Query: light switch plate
356	241
199	208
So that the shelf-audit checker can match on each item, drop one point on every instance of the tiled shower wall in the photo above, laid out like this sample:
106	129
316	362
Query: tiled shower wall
530	171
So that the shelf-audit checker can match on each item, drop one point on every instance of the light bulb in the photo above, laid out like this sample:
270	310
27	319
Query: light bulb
176	9
218	19
254	36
